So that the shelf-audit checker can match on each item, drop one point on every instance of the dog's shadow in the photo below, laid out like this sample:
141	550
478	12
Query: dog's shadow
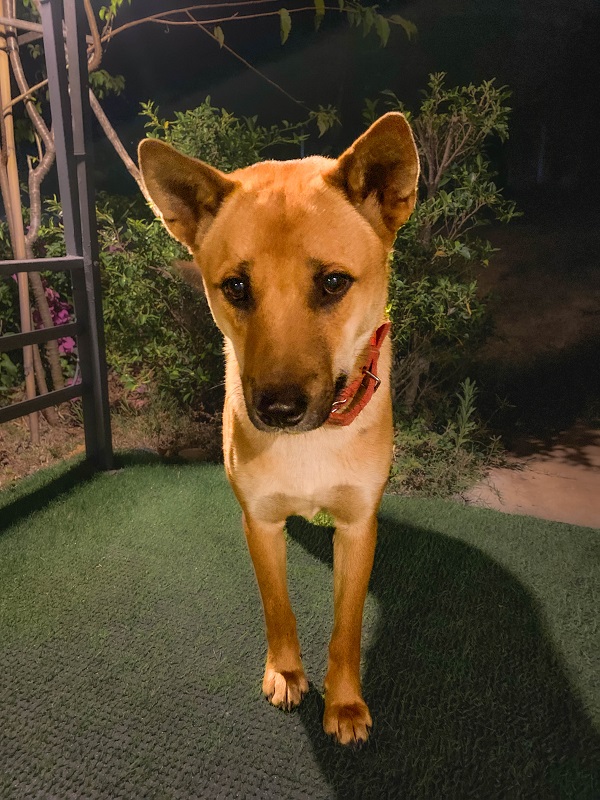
468	697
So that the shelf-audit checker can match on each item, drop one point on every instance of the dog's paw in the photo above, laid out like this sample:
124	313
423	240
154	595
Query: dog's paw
285	689
348	723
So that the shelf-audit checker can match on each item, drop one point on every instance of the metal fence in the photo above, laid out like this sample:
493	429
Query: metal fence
65	43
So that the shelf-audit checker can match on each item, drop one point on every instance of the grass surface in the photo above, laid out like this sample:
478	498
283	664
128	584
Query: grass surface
131	649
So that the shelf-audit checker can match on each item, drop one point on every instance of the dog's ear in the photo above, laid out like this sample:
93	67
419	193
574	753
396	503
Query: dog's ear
379	174
186	192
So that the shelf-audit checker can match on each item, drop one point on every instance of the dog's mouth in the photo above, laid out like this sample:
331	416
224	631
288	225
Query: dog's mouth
340	384
289	408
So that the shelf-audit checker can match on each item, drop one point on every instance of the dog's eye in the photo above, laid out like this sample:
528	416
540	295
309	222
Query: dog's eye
236	290
336	283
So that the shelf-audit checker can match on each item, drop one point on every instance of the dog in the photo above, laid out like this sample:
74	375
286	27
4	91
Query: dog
294	259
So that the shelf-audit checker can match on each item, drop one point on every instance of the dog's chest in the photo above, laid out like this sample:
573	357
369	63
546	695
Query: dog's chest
302	475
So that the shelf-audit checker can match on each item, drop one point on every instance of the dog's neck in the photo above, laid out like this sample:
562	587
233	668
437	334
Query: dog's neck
351	400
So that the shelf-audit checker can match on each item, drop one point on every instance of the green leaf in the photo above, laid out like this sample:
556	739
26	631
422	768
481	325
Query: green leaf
409	27
285	22
219	35
319	13
382	26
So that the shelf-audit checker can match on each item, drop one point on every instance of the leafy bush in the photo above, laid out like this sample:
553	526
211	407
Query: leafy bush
9	296
438	317
443	460
159	334
225	141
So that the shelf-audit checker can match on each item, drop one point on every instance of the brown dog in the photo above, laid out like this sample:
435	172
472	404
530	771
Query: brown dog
294	260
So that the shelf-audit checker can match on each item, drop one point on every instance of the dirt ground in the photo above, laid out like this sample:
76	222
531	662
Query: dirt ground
543	361
132	429
18	457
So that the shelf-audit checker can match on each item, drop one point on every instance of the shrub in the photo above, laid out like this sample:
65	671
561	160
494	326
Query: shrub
158	332
225	141
447	459
438	317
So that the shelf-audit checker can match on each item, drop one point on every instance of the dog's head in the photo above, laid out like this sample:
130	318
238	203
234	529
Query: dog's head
293	257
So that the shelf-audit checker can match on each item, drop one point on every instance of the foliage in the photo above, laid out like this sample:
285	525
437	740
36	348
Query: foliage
10	368
465	423
443	460
9	301
158	332
8	306
9	373
109	12
438	316
103	83
225	141
366	18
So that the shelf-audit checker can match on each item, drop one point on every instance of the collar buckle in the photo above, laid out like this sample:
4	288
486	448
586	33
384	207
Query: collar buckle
374	377
351	400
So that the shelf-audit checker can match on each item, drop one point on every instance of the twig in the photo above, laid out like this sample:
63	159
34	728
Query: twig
31	90
113	138
162	16
248	65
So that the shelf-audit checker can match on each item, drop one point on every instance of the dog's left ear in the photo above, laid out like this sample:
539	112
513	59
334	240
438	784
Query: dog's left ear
379	174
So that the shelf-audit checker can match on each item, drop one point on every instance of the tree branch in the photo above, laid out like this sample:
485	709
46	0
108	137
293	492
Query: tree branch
248	65
113	138
163	16
96	51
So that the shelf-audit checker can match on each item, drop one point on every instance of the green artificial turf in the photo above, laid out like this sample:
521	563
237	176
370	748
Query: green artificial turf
131	649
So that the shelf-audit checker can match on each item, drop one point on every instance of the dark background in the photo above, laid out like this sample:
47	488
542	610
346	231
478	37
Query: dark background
544	50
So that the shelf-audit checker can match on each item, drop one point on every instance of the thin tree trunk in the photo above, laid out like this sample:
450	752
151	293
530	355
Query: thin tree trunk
41	303
40	377
35	178
12	204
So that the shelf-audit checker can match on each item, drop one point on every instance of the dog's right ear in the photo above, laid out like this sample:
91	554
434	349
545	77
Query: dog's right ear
186	192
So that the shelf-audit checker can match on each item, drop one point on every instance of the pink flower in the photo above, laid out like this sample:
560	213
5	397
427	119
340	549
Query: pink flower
66	345
60	312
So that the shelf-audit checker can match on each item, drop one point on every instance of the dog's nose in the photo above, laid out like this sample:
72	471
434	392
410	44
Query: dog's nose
281	407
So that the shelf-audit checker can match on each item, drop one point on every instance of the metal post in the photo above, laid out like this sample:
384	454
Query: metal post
70	117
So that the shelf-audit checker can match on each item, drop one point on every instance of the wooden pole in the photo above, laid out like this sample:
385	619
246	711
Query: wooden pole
9	184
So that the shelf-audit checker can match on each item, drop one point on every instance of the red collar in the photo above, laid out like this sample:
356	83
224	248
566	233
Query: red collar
351	400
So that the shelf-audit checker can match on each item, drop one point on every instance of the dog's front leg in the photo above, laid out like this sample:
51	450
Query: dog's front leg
346	714
284	682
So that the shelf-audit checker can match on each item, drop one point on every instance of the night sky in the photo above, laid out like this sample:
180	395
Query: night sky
544	50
